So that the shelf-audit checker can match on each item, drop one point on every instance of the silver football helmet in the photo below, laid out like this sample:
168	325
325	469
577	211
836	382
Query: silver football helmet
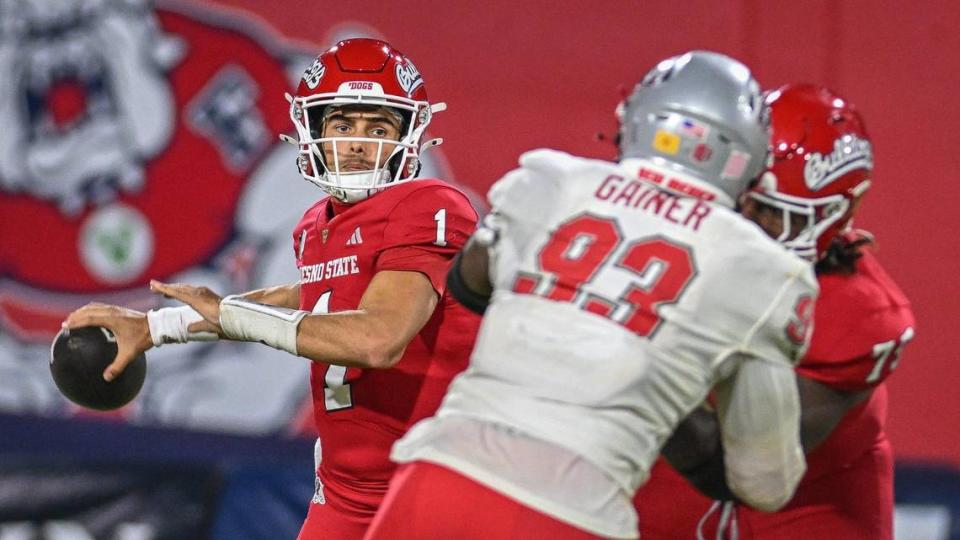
700	113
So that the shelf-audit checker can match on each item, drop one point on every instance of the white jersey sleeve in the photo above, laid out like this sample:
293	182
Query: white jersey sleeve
759	412
758	405
526	190
526	195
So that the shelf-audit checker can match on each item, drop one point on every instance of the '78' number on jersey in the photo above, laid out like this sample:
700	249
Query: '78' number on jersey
579	250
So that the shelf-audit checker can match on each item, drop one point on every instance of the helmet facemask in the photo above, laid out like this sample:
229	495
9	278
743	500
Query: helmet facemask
324	158
816	219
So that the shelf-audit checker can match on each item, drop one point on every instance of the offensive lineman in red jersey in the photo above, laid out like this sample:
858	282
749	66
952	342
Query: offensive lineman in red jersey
822	165
371	307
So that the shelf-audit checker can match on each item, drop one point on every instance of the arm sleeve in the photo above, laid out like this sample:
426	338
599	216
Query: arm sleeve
521	203
759	413
472	300
425	231
529	192
759	406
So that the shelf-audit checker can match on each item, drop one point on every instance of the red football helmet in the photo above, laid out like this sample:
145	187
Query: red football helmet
821	162
361	72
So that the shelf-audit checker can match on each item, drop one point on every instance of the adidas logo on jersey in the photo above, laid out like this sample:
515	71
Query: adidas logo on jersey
355	238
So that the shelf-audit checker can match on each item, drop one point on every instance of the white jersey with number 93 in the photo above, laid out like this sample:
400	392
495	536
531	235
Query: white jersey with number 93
618	305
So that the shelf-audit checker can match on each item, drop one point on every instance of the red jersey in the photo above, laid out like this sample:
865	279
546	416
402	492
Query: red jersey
861	323
416	226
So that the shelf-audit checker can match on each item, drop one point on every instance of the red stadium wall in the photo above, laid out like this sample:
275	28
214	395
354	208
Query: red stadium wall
520	75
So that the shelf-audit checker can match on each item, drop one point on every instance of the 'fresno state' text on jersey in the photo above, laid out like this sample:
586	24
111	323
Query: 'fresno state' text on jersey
862	322
418	227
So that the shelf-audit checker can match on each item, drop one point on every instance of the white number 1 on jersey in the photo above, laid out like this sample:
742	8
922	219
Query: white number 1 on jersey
441	218
336	392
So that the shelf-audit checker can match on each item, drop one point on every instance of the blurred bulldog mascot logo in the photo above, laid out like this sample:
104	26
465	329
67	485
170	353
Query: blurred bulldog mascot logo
141	141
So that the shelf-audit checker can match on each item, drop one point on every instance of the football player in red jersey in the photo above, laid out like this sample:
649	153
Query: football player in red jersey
371	308
821	168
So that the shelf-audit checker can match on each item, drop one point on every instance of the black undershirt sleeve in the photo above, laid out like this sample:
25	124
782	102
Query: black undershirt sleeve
470	299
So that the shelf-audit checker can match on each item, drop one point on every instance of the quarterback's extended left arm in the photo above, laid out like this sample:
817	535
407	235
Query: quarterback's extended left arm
397	303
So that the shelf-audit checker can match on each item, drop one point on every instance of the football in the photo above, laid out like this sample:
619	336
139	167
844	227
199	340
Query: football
77	361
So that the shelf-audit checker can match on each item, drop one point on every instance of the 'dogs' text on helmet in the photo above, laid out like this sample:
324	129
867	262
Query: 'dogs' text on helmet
821	164
360	73
702	114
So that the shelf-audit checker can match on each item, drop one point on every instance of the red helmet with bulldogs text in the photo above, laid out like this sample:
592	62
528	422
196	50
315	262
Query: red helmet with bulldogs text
821	164
362	73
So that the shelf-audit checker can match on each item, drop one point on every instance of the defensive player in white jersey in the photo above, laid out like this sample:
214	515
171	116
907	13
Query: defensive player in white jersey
622	294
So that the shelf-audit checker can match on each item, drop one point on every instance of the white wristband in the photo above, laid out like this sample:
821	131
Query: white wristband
271	325
172	325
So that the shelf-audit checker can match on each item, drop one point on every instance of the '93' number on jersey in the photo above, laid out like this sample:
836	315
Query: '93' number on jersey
585	247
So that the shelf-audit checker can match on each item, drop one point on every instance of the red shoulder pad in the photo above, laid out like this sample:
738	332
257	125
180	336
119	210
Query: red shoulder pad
430	214
428	222
861	322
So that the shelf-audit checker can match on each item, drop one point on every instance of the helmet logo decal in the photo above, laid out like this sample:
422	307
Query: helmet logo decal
361	87
408	77
735	166
849	153
666	142
701	152
314	73
692	128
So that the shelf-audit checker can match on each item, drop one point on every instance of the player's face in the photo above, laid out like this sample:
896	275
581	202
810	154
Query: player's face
770	219
375	123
